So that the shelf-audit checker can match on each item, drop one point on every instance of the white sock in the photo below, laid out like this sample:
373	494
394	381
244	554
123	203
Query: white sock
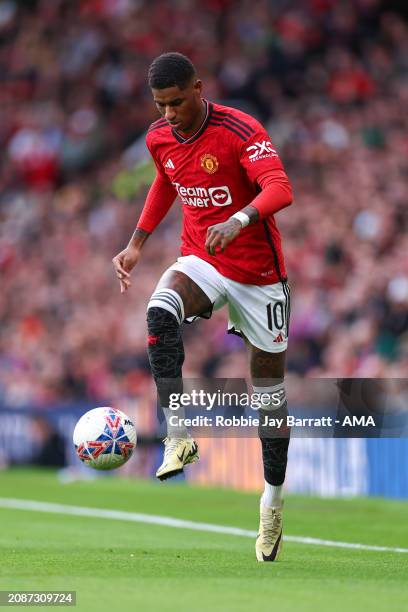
272	496
177	429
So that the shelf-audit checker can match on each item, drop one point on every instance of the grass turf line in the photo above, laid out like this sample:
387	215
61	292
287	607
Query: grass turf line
112	564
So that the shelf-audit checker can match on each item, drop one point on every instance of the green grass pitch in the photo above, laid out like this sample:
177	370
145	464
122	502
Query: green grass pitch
115	565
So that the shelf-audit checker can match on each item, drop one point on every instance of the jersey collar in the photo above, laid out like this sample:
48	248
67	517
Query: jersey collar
197	134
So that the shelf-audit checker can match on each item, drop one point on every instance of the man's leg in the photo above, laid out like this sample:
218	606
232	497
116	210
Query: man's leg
175	298
267	372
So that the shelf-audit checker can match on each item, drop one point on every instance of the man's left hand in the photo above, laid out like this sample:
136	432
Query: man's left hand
220	235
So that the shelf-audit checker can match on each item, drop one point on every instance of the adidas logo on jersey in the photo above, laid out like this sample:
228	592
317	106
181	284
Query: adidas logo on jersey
279	338
169	164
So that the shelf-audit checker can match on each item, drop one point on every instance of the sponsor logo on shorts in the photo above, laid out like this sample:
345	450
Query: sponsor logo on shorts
203	197
261	150
279	338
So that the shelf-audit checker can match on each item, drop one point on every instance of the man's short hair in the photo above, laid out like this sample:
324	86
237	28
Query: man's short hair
171	70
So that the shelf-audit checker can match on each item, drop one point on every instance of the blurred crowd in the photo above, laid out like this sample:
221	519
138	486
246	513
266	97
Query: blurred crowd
329	80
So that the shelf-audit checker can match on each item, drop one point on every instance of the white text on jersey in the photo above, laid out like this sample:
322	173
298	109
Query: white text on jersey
203	197
261	150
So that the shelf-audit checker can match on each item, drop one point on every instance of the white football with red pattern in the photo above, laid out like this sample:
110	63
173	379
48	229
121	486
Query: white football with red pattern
104	438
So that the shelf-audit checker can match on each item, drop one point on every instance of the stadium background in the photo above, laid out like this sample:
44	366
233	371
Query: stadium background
330	81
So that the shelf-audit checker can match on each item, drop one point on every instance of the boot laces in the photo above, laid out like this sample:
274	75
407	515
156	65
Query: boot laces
171	445
272	526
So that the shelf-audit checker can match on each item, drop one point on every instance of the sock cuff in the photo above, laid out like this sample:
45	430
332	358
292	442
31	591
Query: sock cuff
169	300
271	389
276	394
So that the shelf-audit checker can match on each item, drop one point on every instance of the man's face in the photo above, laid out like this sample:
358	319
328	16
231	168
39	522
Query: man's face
180	107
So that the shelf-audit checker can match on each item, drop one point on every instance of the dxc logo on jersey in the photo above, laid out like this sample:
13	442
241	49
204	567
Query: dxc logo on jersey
261	150
203	197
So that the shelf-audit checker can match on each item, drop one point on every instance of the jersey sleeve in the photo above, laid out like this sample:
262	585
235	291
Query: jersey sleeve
264	168
258	155
159	199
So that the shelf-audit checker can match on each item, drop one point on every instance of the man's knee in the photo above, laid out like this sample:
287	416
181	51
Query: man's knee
164	342
166	300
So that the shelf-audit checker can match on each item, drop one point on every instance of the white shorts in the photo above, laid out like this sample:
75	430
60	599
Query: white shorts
259	312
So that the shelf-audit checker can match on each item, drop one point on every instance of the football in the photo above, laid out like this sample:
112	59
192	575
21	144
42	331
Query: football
104	438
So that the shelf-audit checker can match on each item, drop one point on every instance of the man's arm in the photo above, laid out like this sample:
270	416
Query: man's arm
158	202
276	194
159	199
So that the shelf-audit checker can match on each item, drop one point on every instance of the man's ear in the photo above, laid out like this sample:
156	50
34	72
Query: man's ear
198	86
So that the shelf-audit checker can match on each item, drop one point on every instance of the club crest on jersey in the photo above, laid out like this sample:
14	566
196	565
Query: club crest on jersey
209	163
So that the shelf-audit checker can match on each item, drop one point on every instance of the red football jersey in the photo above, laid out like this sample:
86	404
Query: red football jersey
214	172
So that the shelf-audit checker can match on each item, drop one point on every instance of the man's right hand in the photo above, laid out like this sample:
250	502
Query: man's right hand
124	262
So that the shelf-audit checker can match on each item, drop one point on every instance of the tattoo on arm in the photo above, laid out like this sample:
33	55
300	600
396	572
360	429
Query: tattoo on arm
139	237
252	213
